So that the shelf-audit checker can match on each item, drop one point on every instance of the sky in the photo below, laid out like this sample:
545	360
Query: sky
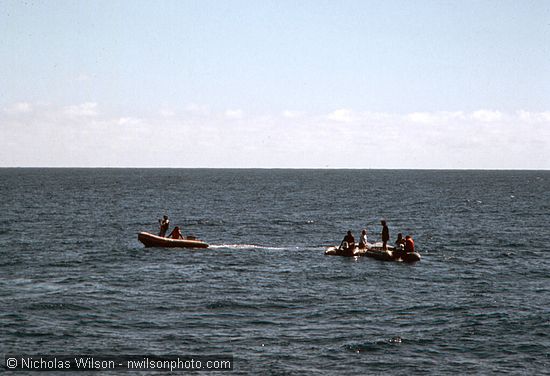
275	84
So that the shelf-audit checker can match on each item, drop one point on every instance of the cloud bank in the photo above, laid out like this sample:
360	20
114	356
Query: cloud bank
86	135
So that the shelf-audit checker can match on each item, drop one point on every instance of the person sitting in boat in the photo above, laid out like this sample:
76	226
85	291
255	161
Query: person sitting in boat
385	235
409	244
400	241
363	240
163	223
348	244
399	251
176	233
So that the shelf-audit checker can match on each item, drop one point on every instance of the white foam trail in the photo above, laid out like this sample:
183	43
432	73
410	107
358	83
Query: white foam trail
246	246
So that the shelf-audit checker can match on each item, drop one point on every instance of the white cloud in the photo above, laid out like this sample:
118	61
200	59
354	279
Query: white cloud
533	116
84	109
433	139
197	109
165	112
343	115
487	116
292	114
129	121
19	108
378	116
434	117
234	114
422	117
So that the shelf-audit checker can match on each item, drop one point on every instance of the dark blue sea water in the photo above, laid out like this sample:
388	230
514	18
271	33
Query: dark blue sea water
75	279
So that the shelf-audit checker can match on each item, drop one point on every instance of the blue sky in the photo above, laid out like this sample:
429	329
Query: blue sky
275	83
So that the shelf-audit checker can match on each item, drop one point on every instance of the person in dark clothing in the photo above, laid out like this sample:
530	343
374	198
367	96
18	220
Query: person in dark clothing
385	235
164	223
400	241
399	251
348	244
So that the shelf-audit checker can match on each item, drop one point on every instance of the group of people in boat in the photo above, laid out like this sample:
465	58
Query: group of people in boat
348	245
164	224
402	245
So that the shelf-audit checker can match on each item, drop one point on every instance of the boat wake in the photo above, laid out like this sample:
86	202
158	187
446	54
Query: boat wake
246	246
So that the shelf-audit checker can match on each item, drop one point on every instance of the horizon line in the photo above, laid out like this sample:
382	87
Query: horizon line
273	168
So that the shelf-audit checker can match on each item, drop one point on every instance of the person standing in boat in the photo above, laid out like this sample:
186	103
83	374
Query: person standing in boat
176	233
164	223
385	235
363	239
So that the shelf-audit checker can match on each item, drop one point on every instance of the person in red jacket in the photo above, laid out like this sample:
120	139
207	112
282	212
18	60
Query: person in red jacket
409	244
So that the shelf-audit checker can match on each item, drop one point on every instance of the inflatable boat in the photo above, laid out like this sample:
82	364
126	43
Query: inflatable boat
377	252
150	240
390	254
337	251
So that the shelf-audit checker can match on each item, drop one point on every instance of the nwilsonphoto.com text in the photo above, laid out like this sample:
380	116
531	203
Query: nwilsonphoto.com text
121	362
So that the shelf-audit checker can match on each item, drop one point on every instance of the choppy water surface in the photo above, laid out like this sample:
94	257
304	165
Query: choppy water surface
74	278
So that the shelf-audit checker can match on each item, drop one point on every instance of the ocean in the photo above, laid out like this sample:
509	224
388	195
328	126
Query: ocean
75	280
